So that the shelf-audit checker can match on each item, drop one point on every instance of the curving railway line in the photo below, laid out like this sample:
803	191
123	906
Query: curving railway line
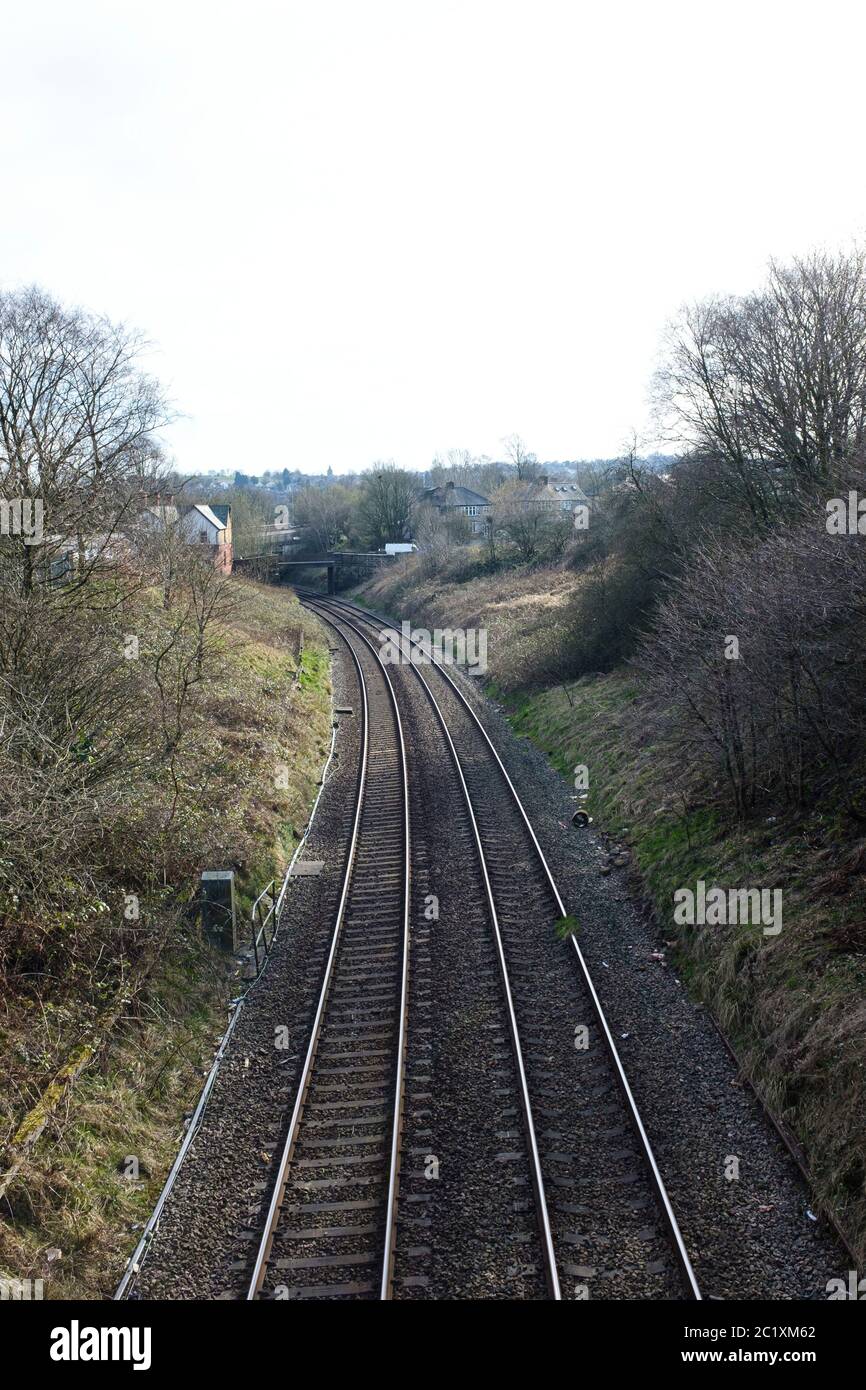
329	1229
451	1118
456	1042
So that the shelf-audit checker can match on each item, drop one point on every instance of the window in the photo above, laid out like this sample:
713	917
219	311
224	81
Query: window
471	511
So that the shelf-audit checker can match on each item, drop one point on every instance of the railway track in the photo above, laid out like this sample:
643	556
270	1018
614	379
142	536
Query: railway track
601	1209
330	1225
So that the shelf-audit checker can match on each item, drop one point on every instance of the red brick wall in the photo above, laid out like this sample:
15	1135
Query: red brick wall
224	557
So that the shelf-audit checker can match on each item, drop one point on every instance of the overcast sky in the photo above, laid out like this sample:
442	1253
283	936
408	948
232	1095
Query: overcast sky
367	230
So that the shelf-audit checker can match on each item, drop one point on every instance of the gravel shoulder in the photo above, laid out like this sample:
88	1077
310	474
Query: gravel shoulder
750	1235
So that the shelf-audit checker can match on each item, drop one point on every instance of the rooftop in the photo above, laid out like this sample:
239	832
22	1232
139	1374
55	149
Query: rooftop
452	495
209	515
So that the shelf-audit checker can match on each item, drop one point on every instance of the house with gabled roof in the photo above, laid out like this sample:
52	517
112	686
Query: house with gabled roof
200	523
451	499
542	494
204	524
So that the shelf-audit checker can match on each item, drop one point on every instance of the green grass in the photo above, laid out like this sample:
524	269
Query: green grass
793	1006
315	669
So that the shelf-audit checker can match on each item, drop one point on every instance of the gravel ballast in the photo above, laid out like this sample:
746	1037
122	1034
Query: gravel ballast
751	1236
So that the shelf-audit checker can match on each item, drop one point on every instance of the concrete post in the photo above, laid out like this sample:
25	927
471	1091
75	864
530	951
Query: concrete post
219	911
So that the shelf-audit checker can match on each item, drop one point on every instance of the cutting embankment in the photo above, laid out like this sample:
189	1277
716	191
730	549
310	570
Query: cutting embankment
114	1002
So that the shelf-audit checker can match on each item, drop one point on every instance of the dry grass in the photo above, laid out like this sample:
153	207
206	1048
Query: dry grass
267	702
73	1217
792	1005
523	610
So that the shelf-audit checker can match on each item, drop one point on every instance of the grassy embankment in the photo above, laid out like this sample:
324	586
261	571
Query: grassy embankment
523	610
793	1006
71	1216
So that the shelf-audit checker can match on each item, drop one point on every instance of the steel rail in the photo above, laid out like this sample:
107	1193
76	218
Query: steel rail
399	1089
271	1221
551	1274
619	1070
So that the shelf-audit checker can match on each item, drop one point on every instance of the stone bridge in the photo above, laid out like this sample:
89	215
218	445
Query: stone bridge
270	563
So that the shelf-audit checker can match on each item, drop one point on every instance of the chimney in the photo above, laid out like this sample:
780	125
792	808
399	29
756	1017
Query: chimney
542	479
450	485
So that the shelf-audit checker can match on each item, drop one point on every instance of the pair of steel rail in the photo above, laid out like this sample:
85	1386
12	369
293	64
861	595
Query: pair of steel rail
272	1218
340	616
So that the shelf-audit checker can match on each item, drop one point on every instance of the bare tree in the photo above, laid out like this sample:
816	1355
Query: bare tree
77	423
387	497
525	463
755	670
463	468
529	526
328	512
770	388
438	534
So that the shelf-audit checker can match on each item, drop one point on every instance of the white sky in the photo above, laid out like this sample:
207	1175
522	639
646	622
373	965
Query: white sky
379	230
